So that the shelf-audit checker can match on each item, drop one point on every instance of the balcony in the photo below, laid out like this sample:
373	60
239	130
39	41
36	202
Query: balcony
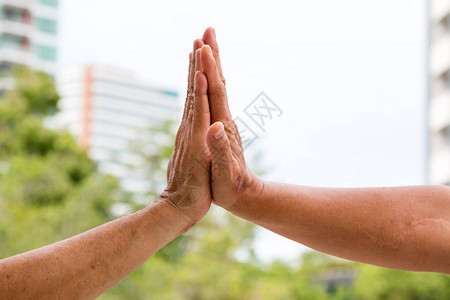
439	9
43	65
45	11
440	112
440	166
440	56
15	28
15	56
25	4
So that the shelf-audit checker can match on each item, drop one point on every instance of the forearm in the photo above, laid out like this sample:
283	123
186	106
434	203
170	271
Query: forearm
88	264
404	228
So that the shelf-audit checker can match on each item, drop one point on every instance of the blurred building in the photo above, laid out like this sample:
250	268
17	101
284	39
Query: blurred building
331	272
439	102
106	110
28	34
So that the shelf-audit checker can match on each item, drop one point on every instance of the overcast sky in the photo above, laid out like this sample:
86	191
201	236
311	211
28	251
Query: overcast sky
349	76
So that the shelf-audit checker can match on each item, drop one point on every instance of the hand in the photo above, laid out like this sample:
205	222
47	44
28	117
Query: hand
231	179
188	179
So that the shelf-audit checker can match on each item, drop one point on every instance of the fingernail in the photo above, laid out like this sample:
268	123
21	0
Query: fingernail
220	131
219	134
208	49
197	74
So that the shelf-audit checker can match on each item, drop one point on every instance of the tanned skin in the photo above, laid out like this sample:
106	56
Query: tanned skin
86	265
404	228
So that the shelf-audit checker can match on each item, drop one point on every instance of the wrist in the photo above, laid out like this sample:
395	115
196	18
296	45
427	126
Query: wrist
191	200
175	218
251	190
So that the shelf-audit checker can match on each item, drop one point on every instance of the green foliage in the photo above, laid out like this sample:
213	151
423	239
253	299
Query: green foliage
204	264
35	92
381	283
154	148
50	190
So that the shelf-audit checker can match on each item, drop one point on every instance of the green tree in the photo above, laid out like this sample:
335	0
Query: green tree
381	283
49	188
215	259
202	264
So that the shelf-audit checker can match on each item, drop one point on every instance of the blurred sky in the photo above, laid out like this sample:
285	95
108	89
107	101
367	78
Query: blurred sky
349	75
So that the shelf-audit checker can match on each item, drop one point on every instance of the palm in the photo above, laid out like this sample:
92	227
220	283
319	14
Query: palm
188	177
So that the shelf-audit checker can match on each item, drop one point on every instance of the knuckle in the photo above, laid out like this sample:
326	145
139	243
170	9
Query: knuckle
215	48
190	113
197	91
196	112
230	122
230	126
219	91
190	95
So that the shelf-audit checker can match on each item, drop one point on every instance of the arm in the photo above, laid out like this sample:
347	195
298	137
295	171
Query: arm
405	228
88	264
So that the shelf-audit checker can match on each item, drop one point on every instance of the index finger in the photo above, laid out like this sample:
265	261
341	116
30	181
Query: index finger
209	37
197	45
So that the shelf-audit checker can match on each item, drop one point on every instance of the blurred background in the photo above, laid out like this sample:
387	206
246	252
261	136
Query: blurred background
92	93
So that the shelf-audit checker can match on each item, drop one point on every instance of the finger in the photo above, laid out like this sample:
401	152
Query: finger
209	38
200	120
184	127
197	45
216	89
202	117
220	150
197	89
198	62
186	105
189	85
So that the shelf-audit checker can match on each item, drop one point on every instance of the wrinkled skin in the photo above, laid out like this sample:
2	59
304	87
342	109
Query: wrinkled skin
188	179
208	160
231	179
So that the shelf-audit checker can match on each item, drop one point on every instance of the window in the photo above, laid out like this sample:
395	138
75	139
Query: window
46	25
11	14
5	67
441	28
53	3
447	22
446	133
446	79
45	52
442	83
11	41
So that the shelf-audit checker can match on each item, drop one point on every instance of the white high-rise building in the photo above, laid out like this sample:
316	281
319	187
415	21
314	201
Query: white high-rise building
439	102
28	34
106	109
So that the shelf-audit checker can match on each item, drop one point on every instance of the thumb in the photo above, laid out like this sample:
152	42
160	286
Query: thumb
219	147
